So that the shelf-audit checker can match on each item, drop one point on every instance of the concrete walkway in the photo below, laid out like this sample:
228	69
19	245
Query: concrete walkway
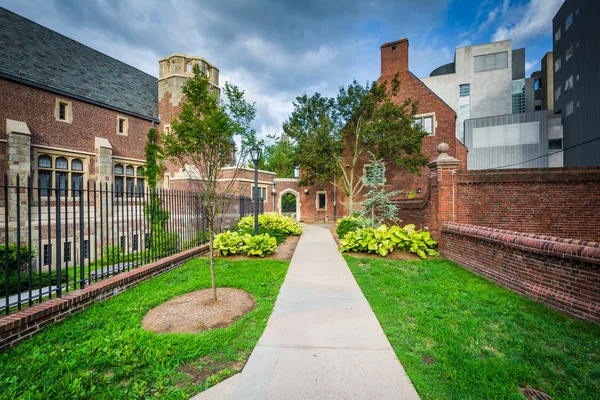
322	340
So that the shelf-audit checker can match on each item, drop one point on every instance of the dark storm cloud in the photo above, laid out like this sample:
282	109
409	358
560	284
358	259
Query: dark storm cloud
275	50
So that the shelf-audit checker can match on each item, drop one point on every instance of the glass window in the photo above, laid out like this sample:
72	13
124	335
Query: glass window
47	254
76	184
67	252
322	201
557	35
557	64
45	182
62	163
139	189
62	111
569	21
465	90
118	188
570	108
129	170
77	165
555	144
130	185
44	162
428	125
569	83
569	52
488	62
62	181
118	169
557	93
418	123
140	171
86	249
121	125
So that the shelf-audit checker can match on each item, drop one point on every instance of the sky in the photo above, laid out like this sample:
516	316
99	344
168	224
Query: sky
275	50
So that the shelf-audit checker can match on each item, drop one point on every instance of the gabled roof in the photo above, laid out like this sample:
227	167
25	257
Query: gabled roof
37	56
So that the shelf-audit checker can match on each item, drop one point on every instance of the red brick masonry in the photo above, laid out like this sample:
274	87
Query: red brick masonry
21	325
561	273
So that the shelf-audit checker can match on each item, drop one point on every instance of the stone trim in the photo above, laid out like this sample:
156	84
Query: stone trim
23	324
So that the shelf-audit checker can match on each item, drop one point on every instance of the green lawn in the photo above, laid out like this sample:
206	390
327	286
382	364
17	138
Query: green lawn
460	336
102	353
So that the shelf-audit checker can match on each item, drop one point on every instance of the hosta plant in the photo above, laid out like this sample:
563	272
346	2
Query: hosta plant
228	243
272	221
384	240
259	245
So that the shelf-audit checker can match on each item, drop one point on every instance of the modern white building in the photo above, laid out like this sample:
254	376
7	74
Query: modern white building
482	81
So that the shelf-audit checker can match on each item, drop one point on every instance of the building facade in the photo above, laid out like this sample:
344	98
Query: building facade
482	81
319	203
576	39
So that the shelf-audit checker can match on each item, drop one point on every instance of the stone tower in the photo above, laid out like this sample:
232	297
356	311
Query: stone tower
174	70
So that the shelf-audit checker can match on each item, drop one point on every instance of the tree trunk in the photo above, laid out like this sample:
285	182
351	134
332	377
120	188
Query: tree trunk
211	237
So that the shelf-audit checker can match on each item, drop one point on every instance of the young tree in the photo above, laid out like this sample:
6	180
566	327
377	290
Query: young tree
377	205
203	141
331	134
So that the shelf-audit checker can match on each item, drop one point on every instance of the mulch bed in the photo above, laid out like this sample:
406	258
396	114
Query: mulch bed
285	251
196	311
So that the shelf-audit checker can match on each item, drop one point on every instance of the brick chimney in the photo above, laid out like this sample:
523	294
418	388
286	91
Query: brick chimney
394	57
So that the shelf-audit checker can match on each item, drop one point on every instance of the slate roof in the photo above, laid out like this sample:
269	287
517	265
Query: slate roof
40	57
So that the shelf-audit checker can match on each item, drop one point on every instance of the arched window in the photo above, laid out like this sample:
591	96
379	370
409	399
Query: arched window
77	165
130	182
129	170
44	162
118	169
62	163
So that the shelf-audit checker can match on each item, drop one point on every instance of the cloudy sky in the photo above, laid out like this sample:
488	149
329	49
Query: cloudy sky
277	49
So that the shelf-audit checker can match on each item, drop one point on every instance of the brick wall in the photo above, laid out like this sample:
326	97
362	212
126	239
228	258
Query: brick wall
562	202
22	325
562	273
36	108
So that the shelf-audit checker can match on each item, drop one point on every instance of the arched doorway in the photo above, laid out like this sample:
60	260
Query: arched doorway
289	203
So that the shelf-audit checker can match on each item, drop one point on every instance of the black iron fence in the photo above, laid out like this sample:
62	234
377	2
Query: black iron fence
57	240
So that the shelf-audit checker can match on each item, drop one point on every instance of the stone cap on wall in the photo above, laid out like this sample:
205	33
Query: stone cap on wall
443	160
19	127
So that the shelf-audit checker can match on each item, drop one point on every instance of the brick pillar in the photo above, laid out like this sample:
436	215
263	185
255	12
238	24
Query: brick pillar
19	163
443	197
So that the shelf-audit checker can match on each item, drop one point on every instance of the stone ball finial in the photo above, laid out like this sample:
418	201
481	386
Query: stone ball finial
443	148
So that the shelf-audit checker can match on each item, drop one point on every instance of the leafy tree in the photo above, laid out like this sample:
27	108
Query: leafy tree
377	205
331	134
279	158
202	142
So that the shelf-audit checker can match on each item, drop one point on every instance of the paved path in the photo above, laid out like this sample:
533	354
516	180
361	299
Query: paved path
322	340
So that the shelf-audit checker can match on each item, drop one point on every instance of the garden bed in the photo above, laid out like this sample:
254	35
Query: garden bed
461	336
285	251
103	352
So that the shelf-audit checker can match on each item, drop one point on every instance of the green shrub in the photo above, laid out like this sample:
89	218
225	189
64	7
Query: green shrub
26	255
259	245
273	222
384	240
228	242
279	235
350	224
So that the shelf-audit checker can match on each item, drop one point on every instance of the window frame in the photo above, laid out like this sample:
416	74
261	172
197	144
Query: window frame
567	54
125	121
422	118
125	178
489	55
55	172
68	117
568	21
318	194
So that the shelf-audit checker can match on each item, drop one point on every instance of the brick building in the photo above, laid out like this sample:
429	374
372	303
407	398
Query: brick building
434	115
71	116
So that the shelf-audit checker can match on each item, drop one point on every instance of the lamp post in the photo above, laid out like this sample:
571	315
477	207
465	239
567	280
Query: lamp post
255	153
